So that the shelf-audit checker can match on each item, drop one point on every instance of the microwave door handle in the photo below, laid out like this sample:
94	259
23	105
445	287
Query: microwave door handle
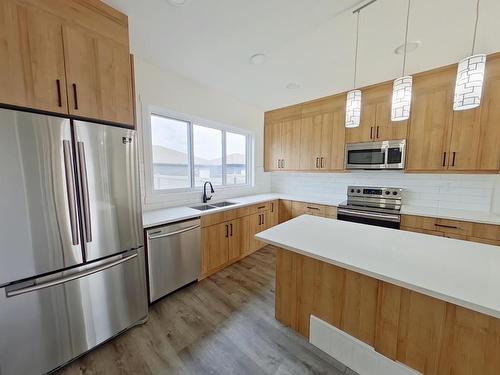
85	191
70	191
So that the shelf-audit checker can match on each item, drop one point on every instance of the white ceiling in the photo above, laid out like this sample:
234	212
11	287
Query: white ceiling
310	42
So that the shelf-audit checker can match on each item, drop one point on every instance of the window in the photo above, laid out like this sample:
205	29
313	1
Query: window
185	154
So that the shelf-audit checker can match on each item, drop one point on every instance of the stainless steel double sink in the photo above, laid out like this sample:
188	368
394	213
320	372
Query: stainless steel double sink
212	206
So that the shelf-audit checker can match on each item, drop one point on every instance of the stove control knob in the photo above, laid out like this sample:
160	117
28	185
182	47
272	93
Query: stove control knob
358	191
387	192
394	193
352	190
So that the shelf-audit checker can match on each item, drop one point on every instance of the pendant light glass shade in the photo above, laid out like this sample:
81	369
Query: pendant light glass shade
401	98
469	85
353	109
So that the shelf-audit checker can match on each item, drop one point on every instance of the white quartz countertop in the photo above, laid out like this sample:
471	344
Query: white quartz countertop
173	214
460	272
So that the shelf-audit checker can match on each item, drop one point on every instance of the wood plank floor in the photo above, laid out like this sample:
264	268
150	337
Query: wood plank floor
222	325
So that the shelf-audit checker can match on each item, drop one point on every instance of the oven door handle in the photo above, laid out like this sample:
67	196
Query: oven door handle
370	215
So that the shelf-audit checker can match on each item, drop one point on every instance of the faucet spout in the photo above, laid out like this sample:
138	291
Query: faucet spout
205	197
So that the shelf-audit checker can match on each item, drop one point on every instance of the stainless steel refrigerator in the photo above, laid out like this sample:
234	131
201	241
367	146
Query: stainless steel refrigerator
72	269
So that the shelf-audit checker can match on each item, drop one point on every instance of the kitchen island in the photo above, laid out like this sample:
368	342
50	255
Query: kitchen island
428	302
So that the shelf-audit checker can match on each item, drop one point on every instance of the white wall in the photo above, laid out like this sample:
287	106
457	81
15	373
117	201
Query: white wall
460	191
165	89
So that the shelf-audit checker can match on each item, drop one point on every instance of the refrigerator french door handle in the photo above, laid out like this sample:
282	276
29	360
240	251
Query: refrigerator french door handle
85	191
65	279
71	191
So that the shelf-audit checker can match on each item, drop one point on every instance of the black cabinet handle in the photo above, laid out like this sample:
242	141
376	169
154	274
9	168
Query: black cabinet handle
227	231
231	225
260	217
444	159
317	162
272	206
321	163
75	95
263	219
446	226
377	131
313	208
371	132
59	98
453	159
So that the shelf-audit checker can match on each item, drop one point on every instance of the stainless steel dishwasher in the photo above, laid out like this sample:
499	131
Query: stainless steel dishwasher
174	257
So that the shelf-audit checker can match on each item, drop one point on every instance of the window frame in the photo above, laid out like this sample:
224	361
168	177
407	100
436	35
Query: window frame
191	121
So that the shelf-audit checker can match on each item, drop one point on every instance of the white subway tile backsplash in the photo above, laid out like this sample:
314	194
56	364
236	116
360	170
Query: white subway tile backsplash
459	191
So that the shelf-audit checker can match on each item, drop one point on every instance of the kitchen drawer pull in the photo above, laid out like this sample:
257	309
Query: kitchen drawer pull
65	279
313	208
444	159
59	97
261	207
447	226
173	233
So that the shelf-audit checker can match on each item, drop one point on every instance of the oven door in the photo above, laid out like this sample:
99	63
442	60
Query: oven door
370	218
366	155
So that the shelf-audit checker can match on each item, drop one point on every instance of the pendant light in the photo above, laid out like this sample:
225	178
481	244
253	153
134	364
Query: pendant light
401	92
353	103
470	77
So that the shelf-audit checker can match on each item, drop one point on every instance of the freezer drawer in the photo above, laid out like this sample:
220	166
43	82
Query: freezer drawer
46	324
174	257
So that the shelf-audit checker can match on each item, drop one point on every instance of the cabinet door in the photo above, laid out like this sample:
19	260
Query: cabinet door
364	132
274	214
430	121
475	139
334	160
256	225
215	246
272	145
99	76
290	145
310	141
238	237
386	129
285	210
31	58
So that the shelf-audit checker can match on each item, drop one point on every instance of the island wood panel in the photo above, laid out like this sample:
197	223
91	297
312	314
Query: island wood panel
426	334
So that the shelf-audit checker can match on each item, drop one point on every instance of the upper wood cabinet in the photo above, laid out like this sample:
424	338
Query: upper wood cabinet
376	124
31	58
99	76
440	139
322	134
282	139
66	56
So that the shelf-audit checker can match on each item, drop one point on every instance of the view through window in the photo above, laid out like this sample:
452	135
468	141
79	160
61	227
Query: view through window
185	155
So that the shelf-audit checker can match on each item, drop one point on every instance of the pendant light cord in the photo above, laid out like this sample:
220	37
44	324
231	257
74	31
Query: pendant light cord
406	36
356	53
475	28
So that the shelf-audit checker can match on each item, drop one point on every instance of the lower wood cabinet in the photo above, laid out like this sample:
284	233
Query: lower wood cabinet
461	230
228	236
422	332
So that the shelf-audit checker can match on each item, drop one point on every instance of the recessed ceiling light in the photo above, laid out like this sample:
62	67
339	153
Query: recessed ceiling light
258	59
410	47
293	86
178	3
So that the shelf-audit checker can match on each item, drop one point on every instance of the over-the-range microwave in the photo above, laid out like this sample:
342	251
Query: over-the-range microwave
376	155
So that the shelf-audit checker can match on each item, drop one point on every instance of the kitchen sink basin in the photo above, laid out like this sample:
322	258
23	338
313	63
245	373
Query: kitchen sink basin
222	204
204	207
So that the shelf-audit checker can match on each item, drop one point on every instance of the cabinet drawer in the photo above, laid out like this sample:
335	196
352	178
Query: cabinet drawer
218	217
259	207
331	212
308	208
486	231
484	240
433	224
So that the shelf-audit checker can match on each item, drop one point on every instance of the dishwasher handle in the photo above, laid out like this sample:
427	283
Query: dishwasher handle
174	233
